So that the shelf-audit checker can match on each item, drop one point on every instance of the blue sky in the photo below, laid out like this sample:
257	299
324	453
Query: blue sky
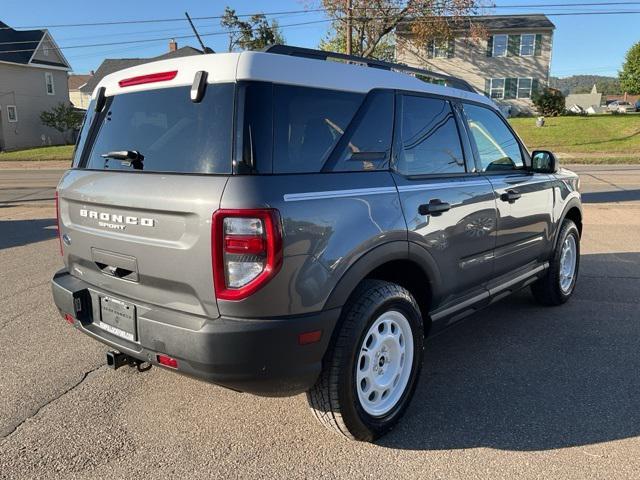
582	44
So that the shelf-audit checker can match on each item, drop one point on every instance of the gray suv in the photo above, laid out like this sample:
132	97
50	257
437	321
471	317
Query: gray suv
276	223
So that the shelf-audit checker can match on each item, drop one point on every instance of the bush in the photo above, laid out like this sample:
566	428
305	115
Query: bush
549	102
63	117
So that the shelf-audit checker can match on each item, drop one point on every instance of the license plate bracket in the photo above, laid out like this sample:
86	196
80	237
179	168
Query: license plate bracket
118	318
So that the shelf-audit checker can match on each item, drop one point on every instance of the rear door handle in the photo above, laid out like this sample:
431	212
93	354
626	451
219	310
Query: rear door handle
510	196
435	207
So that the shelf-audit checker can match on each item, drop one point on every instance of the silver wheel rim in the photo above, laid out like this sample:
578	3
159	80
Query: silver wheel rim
568	261
385	360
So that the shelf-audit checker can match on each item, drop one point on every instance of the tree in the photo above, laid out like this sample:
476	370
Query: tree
253	34
630	73
374	21
63	118
549	102
336	41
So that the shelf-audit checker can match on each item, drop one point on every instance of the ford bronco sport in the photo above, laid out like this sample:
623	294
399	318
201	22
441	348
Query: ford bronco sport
277	223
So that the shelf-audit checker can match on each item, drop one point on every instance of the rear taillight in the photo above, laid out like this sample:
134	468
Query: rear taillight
58	222
246	250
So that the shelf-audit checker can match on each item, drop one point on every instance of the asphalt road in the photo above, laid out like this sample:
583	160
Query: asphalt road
516	391
24	186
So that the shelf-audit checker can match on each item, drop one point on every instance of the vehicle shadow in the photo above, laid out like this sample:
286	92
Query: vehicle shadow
16	233
611	196
522	377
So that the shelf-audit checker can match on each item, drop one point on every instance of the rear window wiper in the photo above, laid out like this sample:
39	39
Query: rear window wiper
130	158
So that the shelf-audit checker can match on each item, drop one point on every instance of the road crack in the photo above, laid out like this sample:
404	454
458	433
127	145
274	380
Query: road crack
11	430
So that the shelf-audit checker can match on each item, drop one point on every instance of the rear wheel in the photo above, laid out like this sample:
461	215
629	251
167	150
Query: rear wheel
557	286
371	369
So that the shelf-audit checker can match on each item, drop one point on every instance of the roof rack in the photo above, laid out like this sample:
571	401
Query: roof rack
426	75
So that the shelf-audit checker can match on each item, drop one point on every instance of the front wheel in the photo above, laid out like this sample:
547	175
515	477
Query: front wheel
371	369
557	286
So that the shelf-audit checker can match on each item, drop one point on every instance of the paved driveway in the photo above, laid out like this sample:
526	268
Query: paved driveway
516	391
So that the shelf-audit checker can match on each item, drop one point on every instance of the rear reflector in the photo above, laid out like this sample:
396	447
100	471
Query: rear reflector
150	78
167	361
309	337
69	318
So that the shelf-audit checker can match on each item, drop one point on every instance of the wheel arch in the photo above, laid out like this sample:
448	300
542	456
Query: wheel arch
572	211
404	263
575	214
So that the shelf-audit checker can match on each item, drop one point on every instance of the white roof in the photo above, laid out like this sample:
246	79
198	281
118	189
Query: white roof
276	68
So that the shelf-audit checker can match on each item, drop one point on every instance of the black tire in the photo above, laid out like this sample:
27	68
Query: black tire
334	398
547	290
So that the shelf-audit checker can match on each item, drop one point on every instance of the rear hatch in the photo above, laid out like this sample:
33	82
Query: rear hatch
135	212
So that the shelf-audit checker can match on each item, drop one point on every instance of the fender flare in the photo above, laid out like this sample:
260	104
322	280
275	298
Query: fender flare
374	258
573	202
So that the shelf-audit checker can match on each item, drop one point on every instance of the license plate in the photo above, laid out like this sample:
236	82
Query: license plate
118	317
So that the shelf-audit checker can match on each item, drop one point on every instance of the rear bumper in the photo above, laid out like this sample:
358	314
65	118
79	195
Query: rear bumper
260	356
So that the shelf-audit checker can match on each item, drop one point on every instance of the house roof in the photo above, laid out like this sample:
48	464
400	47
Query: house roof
585	100
18	46
29	41
498	22
111	65
76	81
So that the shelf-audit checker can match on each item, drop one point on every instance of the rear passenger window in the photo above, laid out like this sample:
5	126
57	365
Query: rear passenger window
430	142
308	123
367	147
498	148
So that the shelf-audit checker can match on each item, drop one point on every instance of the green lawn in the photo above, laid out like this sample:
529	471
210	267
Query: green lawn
592	139
63	152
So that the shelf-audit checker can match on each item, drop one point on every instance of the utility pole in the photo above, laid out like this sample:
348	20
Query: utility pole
349	26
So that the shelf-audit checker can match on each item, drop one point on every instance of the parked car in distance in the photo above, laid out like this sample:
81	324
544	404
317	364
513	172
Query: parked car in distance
625	107
277	224
638	106
612	106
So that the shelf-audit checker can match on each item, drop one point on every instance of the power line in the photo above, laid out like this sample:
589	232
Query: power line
151	40
553	5
182	37
157	20
167	29
314	10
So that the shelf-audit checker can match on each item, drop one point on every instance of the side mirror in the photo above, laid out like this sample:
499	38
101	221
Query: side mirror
543	161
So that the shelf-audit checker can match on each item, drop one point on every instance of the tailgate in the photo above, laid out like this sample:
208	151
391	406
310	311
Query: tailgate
146	237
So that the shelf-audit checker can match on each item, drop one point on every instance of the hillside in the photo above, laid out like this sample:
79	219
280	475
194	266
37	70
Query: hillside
584	83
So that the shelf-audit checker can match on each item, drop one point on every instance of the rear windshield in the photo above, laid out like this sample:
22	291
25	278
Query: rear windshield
161	130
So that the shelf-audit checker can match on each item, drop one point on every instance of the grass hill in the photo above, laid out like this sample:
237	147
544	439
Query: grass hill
584	83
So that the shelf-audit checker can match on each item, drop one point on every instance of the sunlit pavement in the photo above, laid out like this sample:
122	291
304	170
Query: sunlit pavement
516	391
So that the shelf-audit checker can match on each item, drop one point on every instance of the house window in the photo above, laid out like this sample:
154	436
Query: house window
440	49
524	87
497	88
527	45
48	80
500	45
12	113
